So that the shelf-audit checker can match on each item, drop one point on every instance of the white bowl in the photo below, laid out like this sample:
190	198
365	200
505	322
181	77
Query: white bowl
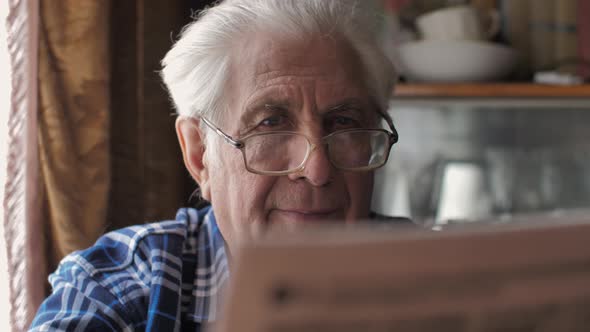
455	61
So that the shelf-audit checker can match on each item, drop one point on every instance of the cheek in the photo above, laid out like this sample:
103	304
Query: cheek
239	195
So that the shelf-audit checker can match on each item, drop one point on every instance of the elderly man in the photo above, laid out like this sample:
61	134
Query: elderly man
280	105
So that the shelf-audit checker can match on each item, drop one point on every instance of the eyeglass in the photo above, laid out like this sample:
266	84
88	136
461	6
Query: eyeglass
283	152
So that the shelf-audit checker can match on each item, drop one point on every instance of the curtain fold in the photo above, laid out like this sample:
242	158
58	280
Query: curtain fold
20	202
74	102
108	151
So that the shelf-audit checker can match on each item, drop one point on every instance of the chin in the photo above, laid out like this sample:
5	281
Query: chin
293	217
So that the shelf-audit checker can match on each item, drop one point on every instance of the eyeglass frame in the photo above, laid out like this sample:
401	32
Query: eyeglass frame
240	145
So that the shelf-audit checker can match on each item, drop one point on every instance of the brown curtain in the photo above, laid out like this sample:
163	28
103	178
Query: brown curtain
108	152
74	103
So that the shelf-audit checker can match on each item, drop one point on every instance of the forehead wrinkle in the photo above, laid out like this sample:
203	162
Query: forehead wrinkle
293	76
278	60
310	76
281	93
300	85
295	96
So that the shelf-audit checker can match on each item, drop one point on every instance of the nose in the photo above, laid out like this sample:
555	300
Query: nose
318	168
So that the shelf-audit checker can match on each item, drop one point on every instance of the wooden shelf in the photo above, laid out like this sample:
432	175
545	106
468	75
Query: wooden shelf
491	90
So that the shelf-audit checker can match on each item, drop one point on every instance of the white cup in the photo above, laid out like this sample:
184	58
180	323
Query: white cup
458	23
463	193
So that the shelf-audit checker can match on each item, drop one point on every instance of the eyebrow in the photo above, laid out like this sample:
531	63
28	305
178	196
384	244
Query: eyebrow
345	106
356	105
273	104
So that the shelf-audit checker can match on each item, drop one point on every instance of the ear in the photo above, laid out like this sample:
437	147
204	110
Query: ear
191	138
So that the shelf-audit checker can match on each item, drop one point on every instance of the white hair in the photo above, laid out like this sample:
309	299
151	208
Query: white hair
196	69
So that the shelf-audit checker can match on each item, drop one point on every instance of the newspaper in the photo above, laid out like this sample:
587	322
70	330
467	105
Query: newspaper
518	277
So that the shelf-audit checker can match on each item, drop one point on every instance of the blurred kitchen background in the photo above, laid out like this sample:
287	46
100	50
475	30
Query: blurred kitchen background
478	146
491	159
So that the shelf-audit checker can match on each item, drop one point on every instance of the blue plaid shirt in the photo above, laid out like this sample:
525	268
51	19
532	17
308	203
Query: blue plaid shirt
165	276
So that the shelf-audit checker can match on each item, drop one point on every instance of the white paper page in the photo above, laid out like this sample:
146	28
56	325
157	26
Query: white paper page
514	278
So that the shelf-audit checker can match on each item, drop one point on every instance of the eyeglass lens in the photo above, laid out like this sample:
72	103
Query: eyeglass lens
279	152
275	152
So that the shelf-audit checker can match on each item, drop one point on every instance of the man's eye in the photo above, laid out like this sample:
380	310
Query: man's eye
343	122
273	121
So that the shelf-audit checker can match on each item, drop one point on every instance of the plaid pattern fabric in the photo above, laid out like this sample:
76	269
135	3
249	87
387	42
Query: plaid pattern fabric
164	276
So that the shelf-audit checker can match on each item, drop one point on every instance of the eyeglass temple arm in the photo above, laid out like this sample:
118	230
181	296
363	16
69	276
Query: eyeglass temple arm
225	136
393	137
